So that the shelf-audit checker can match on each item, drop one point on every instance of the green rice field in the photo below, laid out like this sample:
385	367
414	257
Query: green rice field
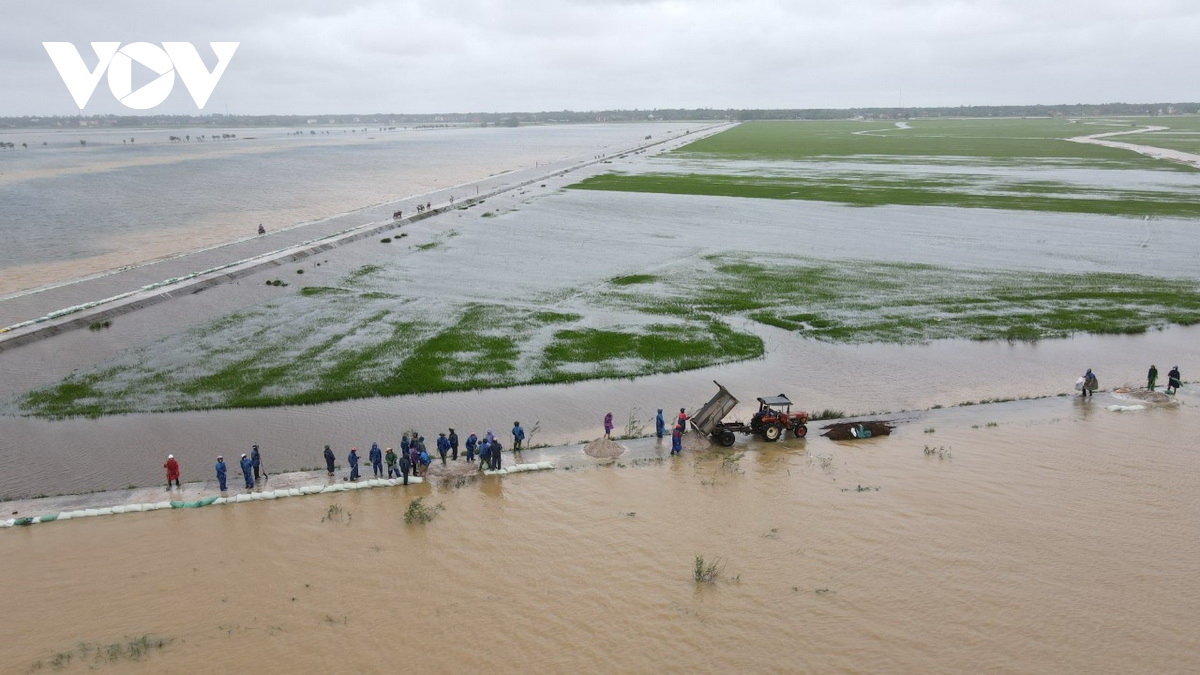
1018	164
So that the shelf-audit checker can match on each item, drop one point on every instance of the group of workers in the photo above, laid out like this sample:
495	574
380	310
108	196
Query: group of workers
252	469
413	459
677	431
1088	383
1173	380
660	428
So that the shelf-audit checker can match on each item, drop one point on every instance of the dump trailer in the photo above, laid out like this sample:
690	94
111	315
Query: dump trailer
708	419
773	418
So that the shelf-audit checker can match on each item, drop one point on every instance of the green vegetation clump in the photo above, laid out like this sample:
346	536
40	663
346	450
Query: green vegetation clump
363	274
705	572
664	347
322	290
336	513
941	452
95	655
419	514
631	279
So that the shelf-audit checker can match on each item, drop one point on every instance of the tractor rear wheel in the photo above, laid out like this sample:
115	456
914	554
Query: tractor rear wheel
772	432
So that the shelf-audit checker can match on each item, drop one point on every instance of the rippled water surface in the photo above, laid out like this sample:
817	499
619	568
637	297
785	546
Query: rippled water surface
1060	540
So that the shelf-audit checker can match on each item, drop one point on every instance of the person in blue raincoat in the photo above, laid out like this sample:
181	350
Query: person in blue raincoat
453	438
404	444
1090	383
518	436
255	461
485	454
677	440
329	460
472	441
376	457
443	447
247	471
660	426
221	472
422	455
353	460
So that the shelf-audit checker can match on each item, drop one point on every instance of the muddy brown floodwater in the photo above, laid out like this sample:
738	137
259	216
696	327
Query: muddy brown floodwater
1050	536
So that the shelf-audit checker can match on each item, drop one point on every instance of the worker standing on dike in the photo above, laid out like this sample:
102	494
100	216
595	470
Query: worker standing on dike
376	457
472	441
247	471
172	468
352	458
256	461
443	446
329	460
390	459
405	466
220	467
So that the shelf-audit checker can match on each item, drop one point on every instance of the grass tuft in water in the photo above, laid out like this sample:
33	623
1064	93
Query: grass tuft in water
419	514
704	572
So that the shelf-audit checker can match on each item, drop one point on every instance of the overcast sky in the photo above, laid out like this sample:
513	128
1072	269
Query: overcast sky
422	56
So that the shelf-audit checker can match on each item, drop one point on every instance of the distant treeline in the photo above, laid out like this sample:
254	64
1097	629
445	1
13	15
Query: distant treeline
512	119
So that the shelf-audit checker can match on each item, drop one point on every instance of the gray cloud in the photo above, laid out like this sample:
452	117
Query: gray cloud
305	56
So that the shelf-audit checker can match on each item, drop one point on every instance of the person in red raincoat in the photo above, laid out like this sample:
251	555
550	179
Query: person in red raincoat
172	468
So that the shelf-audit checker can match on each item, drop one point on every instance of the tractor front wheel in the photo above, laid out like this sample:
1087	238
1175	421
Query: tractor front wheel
800	430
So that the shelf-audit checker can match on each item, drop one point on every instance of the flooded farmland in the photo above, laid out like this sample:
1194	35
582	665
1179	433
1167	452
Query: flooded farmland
1043	535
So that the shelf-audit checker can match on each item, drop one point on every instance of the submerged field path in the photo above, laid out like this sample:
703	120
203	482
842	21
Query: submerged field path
1188	158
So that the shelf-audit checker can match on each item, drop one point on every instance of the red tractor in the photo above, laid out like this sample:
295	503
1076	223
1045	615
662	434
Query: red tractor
773	418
